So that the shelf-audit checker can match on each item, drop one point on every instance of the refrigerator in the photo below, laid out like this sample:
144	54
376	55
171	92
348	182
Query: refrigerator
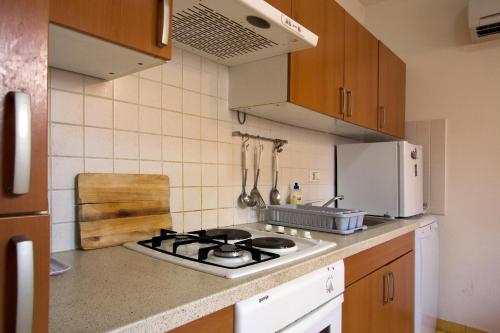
24	220
381	178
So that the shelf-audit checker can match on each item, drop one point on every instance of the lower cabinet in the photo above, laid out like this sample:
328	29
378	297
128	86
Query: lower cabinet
383	300
221	321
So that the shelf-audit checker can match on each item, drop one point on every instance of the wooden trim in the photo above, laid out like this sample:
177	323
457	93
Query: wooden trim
368	261
221	321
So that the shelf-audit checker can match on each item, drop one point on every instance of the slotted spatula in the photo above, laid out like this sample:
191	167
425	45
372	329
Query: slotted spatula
254	193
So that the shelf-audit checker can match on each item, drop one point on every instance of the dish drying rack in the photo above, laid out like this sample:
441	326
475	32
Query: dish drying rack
332	220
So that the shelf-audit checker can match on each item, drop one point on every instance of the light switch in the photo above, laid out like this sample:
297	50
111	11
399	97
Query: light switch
314	176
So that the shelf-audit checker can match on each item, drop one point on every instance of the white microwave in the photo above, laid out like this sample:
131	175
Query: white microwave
382	178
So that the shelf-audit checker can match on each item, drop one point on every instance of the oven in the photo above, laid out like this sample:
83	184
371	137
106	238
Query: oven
309	304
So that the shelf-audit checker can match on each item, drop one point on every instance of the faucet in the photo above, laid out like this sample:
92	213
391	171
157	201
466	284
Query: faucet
329	202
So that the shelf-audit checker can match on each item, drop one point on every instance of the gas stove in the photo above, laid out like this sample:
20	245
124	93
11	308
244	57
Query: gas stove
230	252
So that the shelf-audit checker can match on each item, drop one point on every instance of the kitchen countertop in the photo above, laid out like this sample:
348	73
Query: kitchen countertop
116	289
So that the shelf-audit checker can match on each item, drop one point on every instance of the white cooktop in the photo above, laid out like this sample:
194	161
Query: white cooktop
305	247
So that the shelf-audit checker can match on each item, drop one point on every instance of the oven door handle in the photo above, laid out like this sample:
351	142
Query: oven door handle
310	321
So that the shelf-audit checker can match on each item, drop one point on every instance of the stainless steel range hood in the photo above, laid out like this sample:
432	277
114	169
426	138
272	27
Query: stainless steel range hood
233	32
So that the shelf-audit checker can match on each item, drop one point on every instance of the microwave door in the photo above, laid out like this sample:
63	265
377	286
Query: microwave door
367	176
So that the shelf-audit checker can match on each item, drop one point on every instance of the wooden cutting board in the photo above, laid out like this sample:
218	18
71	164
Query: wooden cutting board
113	209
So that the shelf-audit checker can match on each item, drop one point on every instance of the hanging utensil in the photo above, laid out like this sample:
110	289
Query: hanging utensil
254	193
274	195
245	199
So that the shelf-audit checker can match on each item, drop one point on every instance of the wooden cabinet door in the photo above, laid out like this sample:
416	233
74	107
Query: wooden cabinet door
317	74
285	6
381	302
36	229
361	74
131	23
391	92
401	302
23	59
363	310
221	321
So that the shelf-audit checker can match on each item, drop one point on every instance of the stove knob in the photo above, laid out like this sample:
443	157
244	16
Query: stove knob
293	232
281	229
329	285
307	234
269	227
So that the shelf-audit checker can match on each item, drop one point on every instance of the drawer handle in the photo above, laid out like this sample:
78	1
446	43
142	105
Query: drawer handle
25	284
342	100
391	287
163	24
382	117
386	288
22	145
350	103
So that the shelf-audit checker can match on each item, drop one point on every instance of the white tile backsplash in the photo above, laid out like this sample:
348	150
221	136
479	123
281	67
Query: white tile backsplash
172	119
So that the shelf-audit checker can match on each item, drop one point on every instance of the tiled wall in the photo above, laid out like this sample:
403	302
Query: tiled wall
431	135
174	120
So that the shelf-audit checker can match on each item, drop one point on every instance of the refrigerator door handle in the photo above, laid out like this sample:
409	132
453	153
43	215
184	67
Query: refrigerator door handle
25	284
22	149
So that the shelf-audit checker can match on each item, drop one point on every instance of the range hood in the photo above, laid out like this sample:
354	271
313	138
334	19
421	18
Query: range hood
260	88
233	32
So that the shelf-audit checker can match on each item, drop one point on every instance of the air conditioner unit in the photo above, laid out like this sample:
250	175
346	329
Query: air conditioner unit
484	19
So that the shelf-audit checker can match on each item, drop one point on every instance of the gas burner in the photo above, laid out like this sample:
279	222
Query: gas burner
232	234
278	245
228	251
273	243
181	237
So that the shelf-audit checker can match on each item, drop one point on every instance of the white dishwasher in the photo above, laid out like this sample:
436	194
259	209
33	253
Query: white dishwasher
426	278
309	304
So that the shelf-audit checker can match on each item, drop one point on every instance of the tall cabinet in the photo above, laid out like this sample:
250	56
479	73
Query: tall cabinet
24	223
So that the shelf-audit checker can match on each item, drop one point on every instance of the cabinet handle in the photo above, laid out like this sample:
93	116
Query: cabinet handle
391	287
386	288
163	24
342	100
350	103
22	145
25	284
382	116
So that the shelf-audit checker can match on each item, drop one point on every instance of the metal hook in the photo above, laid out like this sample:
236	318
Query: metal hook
244	139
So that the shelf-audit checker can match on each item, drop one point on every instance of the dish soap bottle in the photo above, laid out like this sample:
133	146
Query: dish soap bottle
296	195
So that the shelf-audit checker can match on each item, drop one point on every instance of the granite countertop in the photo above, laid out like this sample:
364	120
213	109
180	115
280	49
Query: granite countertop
116	289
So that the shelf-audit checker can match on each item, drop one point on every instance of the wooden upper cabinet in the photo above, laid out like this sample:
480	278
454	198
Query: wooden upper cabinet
317	74
391	92
361	74
130	23
285	6
23	59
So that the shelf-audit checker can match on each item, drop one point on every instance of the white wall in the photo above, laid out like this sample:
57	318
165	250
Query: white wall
171	119
355	8
447	77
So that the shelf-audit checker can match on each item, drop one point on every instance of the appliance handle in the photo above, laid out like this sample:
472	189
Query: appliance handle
22	148
320	316
163	23
25	284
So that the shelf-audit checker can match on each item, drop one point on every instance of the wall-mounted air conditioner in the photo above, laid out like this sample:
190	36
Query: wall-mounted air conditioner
484	19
